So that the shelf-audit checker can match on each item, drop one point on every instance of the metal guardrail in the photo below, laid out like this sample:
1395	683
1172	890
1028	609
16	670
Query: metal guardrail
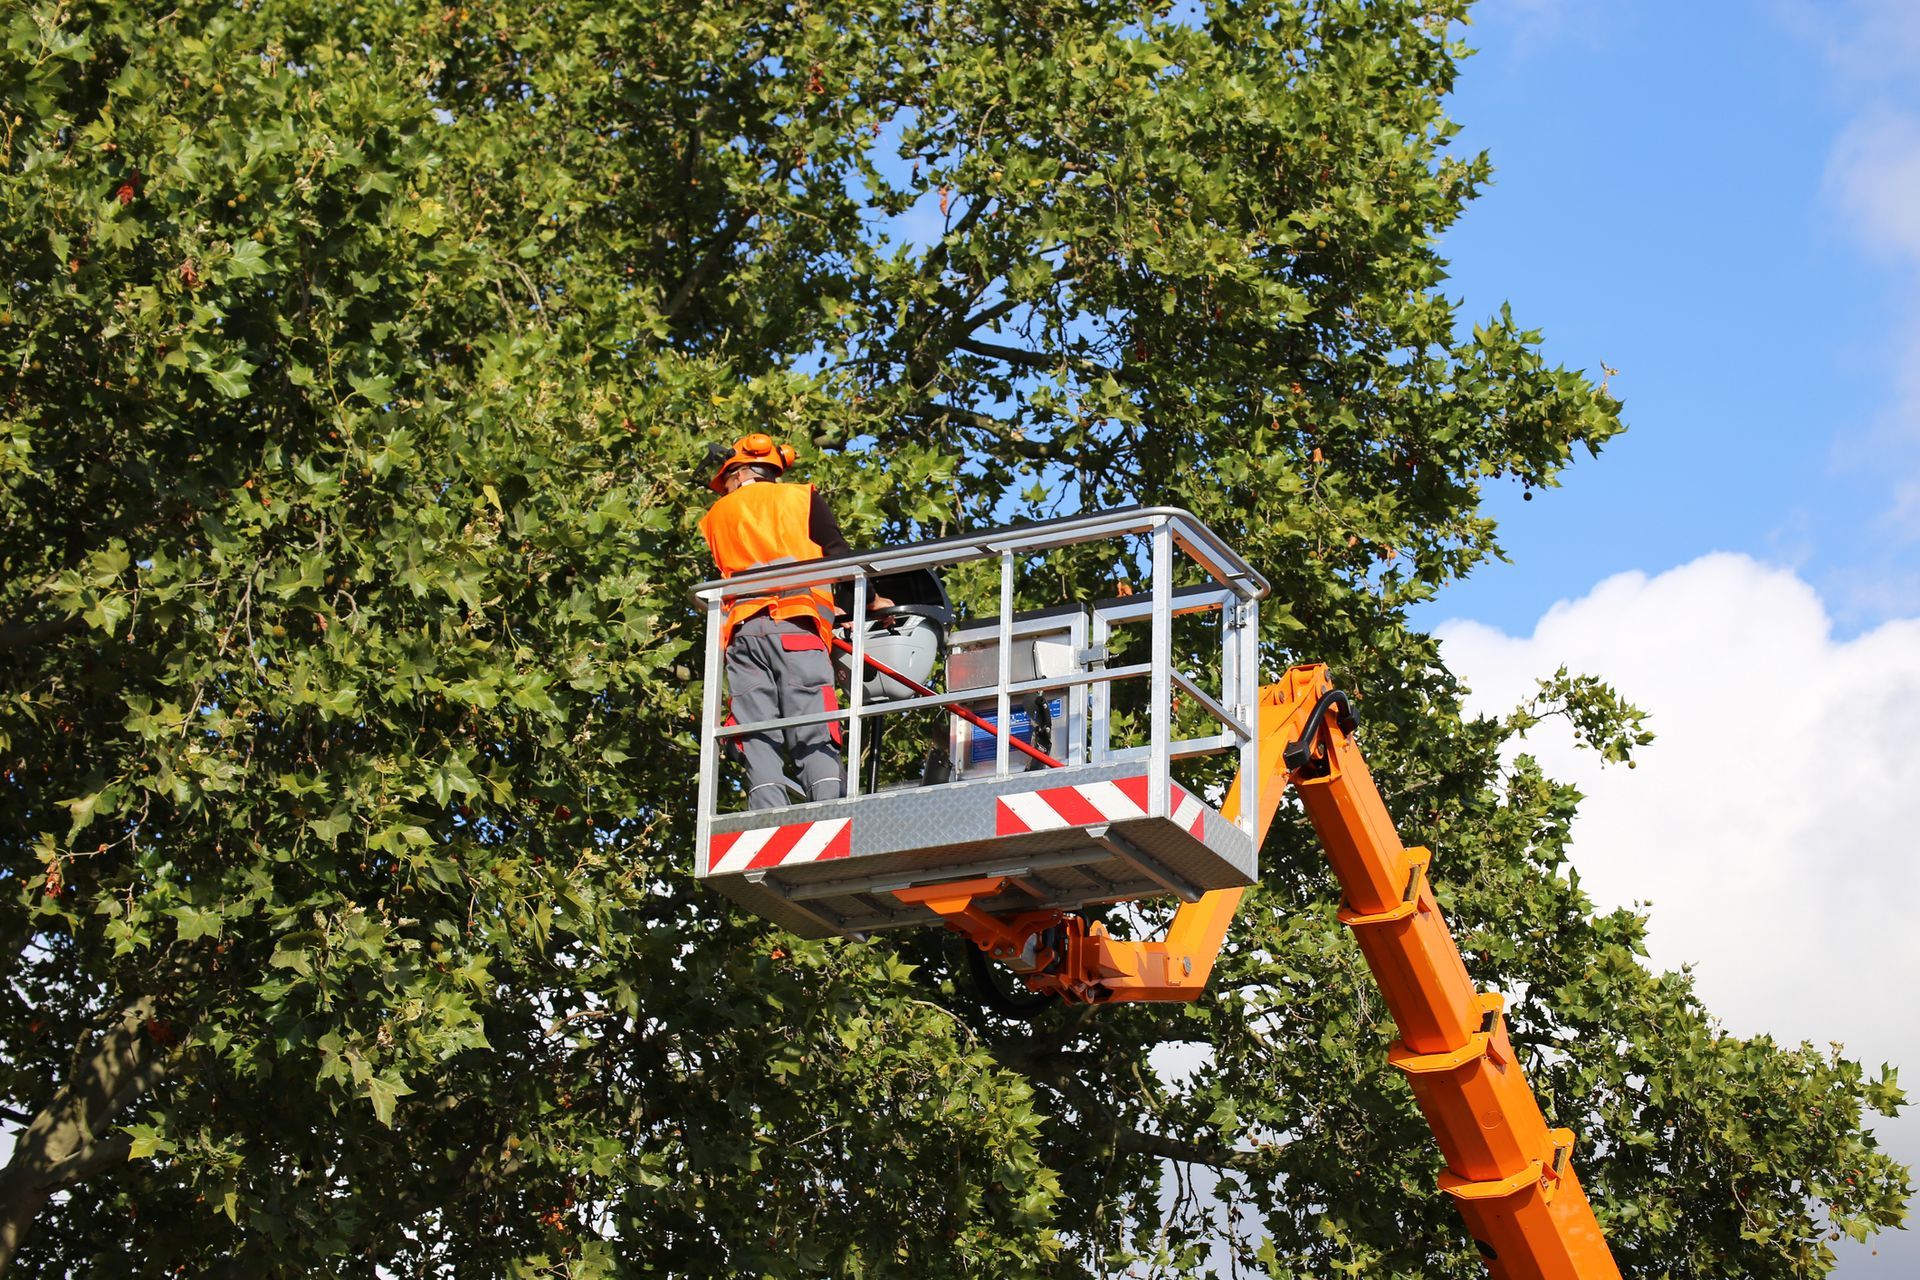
1206	547
1237	587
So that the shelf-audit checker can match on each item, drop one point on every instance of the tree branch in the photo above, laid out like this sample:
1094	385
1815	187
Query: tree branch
1007	433
926	327
142	1082
90	1159
1012	355
22	635
937	255
974	209
934	411
1007	306
1134	1143
65	1141
1039	1063
722	244
999	310
1042	361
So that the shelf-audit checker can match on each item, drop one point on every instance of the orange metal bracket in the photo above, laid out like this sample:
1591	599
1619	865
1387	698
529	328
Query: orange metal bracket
1087	964
1014	939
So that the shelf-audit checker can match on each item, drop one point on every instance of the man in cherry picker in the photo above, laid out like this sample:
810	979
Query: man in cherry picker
776	645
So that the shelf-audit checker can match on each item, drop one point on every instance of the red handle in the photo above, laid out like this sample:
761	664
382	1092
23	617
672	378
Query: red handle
962	712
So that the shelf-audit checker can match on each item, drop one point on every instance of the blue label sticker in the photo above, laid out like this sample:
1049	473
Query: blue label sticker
981	749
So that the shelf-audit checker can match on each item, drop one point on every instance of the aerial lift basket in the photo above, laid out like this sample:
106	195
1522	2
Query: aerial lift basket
1075	805
1003	852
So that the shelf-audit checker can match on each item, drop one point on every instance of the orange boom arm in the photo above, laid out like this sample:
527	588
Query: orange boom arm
1511	1177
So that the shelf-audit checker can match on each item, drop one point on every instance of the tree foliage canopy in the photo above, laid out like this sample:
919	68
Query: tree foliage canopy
353	358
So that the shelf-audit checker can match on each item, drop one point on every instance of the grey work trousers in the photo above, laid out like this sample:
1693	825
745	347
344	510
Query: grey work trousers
777	669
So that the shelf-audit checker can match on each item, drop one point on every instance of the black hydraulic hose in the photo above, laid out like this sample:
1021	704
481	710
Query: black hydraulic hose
1013	1004
1299	753
873	756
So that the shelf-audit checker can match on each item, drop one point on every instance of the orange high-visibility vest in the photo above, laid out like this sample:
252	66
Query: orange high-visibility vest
764	524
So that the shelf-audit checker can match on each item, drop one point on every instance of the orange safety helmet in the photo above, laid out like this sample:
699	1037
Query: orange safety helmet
757	449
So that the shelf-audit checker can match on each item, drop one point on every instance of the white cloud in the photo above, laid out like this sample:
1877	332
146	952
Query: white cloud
1873	181
1872	48
1774	823
1866	40
1874	174
1537	27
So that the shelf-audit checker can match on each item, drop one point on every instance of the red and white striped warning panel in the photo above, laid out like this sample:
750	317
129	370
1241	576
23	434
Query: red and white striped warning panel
1089	804
779	846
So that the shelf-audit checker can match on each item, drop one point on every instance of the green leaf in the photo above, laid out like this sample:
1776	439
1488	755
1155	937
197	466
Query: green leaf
384	1090
375	389
147	1142
330	827
248	259
232	379
197	922
107	612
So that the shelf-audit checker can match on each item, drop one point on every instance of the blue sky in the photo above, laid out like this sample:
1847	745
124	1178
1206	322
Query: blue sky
1706	197
1722	201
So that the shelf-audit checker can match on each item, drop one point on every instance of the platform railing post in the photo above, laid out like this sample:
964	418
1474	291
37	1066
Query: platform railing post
709	722
856	693
1247	698
1100	709
1230	655
1160	718
1004	677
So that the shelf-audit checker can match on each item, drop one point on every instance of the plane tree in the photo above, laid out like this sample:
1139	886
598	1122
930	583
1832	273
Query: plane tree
355	361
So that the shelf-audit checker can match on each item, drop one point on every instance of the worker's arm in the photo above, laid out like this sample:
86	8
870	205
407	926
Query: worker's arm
825	530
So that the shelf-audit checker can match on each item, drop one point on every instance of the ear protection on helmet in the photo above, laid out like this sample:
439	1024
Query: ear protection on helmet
758	449
761	447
